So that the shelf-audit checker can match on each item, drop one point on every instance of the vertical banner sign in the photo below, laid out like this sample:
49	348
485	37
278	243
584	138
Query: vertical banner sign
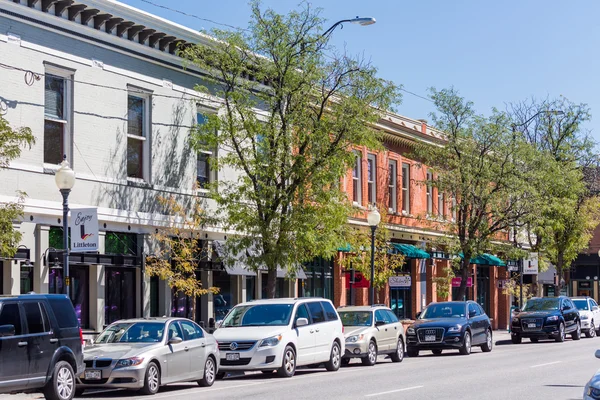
84	229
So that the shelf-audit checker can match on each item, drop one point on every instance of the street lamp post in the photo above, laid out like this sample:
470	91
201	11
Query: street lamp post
358	20
373	218
65	180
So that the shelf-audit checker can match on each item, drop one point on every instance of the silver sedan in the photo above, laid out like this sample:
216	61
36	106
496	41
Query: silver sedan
145	354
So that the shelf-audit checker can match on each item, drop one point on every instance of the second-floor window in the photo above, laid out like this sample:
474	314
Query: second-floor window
392	186
406	188
440	204
429	193
356	179
203	176
454	213
372	178
57	114
138	148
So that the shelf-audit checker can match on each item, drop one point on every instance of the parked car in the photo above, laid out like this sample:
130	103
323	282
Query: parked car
280	335
145	354
592	388
450	325
546	317
370	331
589	313
40	345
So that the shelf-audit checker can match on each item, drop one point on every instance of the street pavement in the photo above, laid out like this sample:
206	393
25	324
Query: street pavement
526	371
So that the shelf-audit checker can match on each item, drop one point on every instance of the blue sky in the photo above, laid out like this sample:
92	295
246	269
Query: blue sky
493	52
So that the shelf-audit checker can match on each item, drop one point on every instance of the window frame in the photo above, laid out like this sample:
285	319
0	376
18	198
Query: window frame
22	322
67	75
393	186
406	188
441	205
372	183
357	179
209	154
296	317
44	318
145	138
429	193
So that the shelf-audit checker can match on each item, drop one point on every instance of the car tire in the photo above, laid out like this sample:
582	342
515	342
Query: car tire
534	340
210	372
151	380
371	358
398	355
61	385
576	335
288	364
335	358
592	331
516	338
561	333
489	342
437	352
465	349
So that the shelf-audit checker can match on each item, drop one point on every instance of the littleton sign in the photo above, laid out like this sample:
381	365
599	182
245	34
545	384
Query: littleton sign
84	229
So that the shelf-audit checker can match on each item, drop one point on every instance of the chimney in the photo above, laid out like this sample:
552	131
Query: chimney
423	125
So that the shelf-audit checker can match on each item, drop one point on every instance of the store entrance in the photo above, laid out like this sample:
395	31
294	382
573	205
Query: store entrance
401	303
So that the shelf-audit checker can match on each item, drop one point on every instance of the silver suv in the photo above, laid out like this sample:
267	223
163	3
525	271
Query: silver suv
370	331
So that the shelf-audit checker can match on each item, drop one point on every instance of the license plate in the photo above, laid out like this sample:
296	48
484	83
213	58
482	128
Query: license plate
93	374
232	356
531	325
430	338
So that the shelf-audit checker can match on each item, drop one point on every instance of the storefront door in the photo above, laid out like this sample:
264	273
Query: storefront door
120	294
401	303
584	288
483	287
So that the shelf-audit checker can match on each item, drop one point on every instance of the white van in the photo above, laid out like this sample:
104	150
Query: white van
278	335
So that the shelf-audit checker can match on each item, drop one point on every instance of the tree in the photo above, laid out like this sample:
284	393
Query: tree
12	141
482	166
387	261
292	110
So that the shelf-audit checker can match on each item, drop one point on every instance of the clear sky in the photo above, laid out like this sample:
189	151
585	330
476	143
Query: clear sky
493	52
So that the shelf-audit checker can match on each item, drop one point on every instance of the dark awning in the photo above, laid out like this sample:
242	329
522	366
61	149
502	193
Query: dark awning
486	259
410	251
235	265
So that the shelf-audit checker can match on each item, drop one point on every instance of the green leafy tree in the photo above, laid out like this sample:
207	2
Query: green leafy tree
292	110
12	141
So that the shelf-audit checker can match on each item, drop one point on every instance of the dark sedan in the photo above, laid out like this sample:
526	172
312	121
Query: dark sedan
544	318
457	325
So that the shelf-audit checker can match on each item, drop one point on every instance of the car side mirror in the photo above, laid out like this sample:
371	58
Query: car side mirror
418	314
595	308
379	323
597	353
218	324
301	322
175	340
7	330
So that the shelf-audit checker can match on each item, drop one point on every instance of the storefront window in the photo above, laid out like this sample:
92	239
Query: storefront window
182	306
401	302
319	279
250	288
222	302
120	243
26	279
55	280
80	281
154	296
483	288
279	286
120	294
55	237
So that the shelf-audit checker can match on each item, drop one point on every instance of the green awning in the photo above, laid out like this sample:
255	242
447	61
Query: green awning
347	248
410	251
486	259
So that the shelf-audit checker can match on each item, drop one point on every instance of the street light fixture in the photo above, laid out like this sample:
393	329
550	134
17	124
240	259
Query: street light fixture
362	21
65	180
373	219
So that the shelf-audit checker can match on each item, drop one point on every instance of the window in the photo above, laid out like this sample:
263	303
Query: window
474	309
63	311
35	320
429	193
357	179
203	172
57	114
138	147
191	331
406	188
175	331
372	178
392	186
10	315
316	312
119	290
380	315
391	316
454	208
440	205
329	311
302	312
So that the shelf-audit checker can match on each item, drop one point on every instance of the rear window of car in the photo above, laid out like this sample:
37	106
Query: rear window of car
64	312
329	311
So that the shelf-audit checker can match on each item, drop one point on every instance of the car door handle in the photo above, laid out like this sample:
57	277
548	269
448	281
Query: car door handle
186	349
316	330
312	331
203	344
54	340
21	344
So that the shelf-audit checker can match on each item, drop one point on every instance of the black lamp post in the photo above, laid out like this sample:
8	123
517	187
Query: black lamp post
373	218
65	180
360	21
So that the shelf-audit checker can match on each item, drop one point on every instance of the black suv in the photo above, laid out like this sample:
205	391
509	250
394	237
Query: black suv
40	345
546	317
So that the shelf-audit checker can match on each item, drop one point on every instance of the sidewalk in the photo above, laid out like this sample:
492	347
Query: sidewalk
501	336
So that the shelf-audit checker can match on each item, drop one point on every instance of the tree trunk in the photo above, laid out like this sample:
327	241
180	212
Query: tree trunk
464	275
271	282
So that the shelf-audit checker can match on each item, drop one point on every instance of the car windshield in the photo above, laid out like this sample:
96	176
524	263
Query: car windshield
132	332
356	318
444	310
258	315
541	305
581	305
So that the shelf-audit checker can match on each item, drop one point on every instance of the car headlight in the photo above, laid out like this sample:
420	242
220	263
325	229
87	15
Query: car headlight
552	318
585	316
129	362
354	338
270	342
410	331
593	393
455	328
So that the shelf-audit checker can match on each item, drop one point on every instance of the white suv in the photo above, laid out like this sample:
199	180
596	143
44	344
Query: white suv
589	314
280	335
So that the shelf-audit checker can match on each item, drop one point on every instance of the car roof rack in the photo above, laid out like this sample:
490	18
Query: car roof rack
378	305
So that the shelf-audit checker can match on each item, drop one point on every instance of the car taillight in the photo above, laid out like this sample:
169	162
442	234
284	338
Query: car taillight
81	336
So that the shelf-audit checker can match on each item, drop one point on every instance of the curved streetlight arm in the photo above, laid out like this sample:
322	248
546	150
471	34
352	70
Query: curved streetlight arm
554	112
364	21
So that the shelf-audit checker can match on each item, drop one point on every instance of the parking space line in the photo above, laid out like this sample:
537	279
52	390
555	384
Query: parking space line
543	365
393	391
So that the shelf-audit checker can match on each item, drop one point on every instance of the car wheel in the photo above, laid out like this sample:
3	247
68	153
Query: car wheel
534	340
61	385
288	364
151	380
561	333
371	358
576	335
592	331
489	342
210	371
465	350
398	356
436	352
516	338
412	353
335	359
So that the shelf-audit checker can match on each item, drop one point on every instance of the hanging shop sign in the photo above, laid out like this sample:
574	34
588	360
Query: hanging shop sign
400	282
84	229
456	282
359	281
